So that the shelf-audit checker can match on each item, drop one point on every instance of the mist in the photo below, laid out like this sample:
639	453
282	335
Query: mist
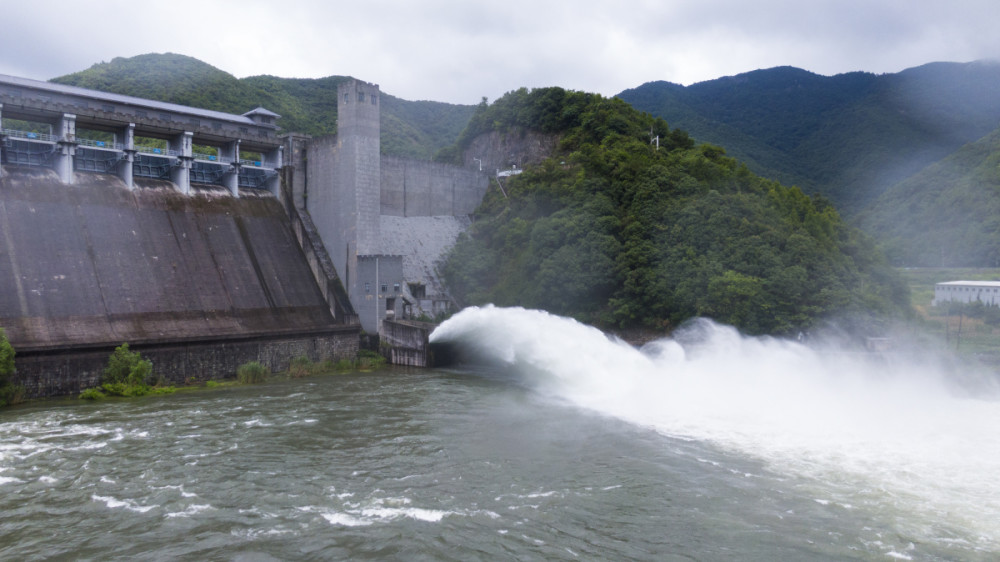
897	430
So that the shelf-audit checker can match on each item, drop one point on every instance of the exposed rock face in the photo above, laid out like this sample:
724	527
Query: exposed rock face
501	151
423	243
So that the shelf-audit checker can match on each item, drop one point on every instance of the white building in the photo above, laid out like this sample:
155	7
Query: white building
986	292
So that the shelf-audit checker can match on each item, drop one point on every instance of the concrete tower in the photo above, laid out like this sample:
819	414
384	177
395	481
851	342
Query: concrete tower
343	197
358	130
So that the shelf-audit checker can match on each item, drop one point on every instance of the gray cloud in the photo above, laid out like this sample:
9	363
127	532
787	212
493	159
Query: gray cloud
459	51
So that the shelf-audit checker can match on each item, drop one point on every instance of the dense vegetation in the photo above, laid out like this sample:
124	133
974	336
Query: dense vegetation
252	372
9	392
614	232
410	129
305	367
948	215
848	137
127	374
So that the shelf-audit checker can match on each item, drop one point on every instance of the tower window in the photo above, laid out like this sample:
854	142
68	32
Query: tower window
361	96
347	97
373	99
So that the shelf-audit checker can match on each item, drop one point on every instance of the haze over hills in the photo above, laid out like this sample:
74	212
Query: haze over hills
947	214
416	129
849	137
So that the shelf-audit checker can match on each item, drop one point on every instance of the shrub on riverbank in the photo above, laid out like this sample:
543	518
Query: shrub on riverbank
10	393
126	375
127	368
6	356
369	359
252	373
302	366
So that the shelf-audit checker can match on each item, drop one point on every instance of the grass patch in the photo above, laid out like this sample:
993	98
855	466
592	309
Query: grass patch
344	365
252	373
305	367
92	394
369	360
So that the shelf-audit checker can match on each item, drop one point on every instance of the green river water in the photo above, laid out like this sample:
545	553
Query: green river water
558	444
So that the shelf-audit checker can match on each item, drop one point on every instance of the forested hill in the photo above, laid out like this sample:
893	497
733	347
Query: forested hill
615	232
849	137
947	215
415	129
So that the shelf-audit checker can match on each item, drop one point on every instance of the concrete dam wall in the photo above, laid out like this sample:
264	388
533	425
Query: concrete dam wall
94	264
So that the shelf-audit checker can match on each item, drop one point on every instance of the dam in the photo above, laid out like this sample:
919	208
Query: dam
86	130
206	240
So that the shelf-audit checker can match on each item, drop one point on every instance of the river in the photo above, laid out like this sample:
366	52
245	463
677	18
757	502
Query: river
558	443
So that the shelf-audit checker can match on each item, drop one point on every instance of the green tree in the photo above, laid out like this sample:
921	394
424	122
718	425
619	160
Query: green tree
9	392
127	368
737	299
6	357
615	232
127	374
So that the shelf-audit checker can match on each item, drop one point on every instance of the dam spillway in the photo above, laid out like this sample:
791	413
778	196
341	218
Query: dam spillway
95	264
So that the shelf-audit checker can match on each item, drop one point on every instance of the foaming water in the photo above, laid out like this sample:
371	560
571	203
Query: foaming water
893	436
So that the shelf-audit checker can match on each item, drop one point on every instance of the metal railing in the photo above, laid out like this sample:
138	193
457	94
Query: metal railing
30	135
213	158
155	150
100	144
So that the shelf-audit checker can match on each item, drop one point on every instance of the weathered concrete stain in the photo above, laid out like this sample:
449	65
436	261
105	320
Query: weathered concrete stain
97	263
86	267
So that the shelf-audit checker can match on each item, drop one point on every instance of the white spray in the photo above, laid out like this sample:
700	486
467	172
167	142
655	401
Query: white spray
871	432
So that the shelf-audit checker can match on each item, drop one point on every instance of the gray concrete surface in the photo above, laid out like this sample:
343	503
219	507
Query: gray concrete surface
97	263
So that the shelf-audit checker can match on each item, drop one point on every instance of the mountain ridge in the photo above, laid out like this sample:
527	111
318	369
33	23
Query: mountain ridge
415	129
849	136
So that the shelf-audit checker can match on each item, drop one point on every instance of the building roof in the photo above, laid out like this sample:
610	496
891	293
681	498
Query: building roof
260	111
990	284
128	100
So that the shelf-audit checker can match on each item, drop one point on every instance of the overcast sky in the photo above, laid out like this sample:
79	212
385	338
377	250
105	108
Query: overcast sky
461	50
